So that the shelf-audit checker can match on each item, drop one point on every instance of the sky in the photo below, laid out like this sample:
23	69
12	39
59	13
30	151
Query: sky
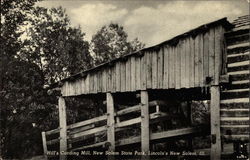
152	21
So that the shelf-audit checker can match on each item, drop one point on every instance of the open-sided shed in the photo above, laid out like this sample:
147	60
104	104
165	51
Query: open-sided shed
197	59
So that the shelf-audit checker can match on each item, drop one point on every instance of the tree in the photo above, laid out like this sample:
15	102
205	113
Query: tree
52	50
19	81
59	49
111	42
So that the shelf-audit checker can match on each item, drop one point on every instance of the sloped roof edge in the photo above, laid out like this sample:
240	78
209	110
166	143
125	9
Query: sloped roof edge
173	41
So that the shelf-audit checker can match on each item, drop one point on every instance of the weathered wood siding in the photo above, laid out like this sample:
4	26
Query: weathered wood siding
185	64
234	107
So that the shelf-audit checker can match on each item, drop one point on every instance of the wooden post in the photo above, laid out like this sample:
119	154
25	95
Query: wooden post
44	145
110	123
145	124
63	127
215	123
190	121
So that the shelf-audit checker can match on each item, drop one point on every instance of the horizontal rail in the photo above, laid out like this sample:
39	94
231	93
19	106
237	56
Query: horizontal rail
90	146
138	107
81	129
88	132
85	128
129	110
78	124
89	121
160	135
138	119
54	131
53	141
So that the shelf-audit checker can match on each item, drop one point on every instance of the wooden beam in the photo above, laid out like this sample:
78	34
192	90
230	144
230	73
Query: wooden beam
53	141
138	119
90	146
110	123
190	123
136	108
87	122
44	146
63	127
215	123
161	135
145	124
57	130
88	132
174	133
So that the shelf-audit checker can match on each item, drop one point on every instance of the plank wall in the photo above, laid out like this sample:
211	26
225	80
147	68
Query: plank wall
185	64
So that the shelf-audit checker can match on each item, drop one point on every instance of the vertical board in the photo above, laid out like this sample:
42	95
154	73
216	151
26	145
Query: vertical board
160	68
196	60
91	80
63	127
74	83
206	55
87	83
218	53
145	139
149	69
118	76
95	81
215	123
183	61
187	63
138	73
211	53
170	64
177	66
191	73
132	76
109	79
63	89
83	85
100	81
174	60
45	150
143	64
113	78
72	88
154	69
104	80
165	65
110	122
201	79
123	76
128	70
79	88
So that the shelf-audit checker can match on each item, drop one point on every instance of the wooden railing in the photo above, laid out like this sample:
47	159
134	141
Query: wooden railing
86	129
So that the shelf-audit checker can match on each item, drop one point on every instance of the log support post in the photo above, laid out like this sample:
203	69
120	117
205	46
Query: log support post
63	127
110	124
215	123
145	139
44	146
190	123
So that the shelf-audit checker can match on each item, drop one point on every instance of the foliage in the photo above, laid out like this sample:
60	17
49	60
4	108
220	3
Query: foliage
111	42
50	51
58	48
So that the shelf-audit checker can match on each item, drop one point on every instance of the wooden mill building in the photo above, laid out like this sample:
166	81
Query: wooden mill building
209	63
